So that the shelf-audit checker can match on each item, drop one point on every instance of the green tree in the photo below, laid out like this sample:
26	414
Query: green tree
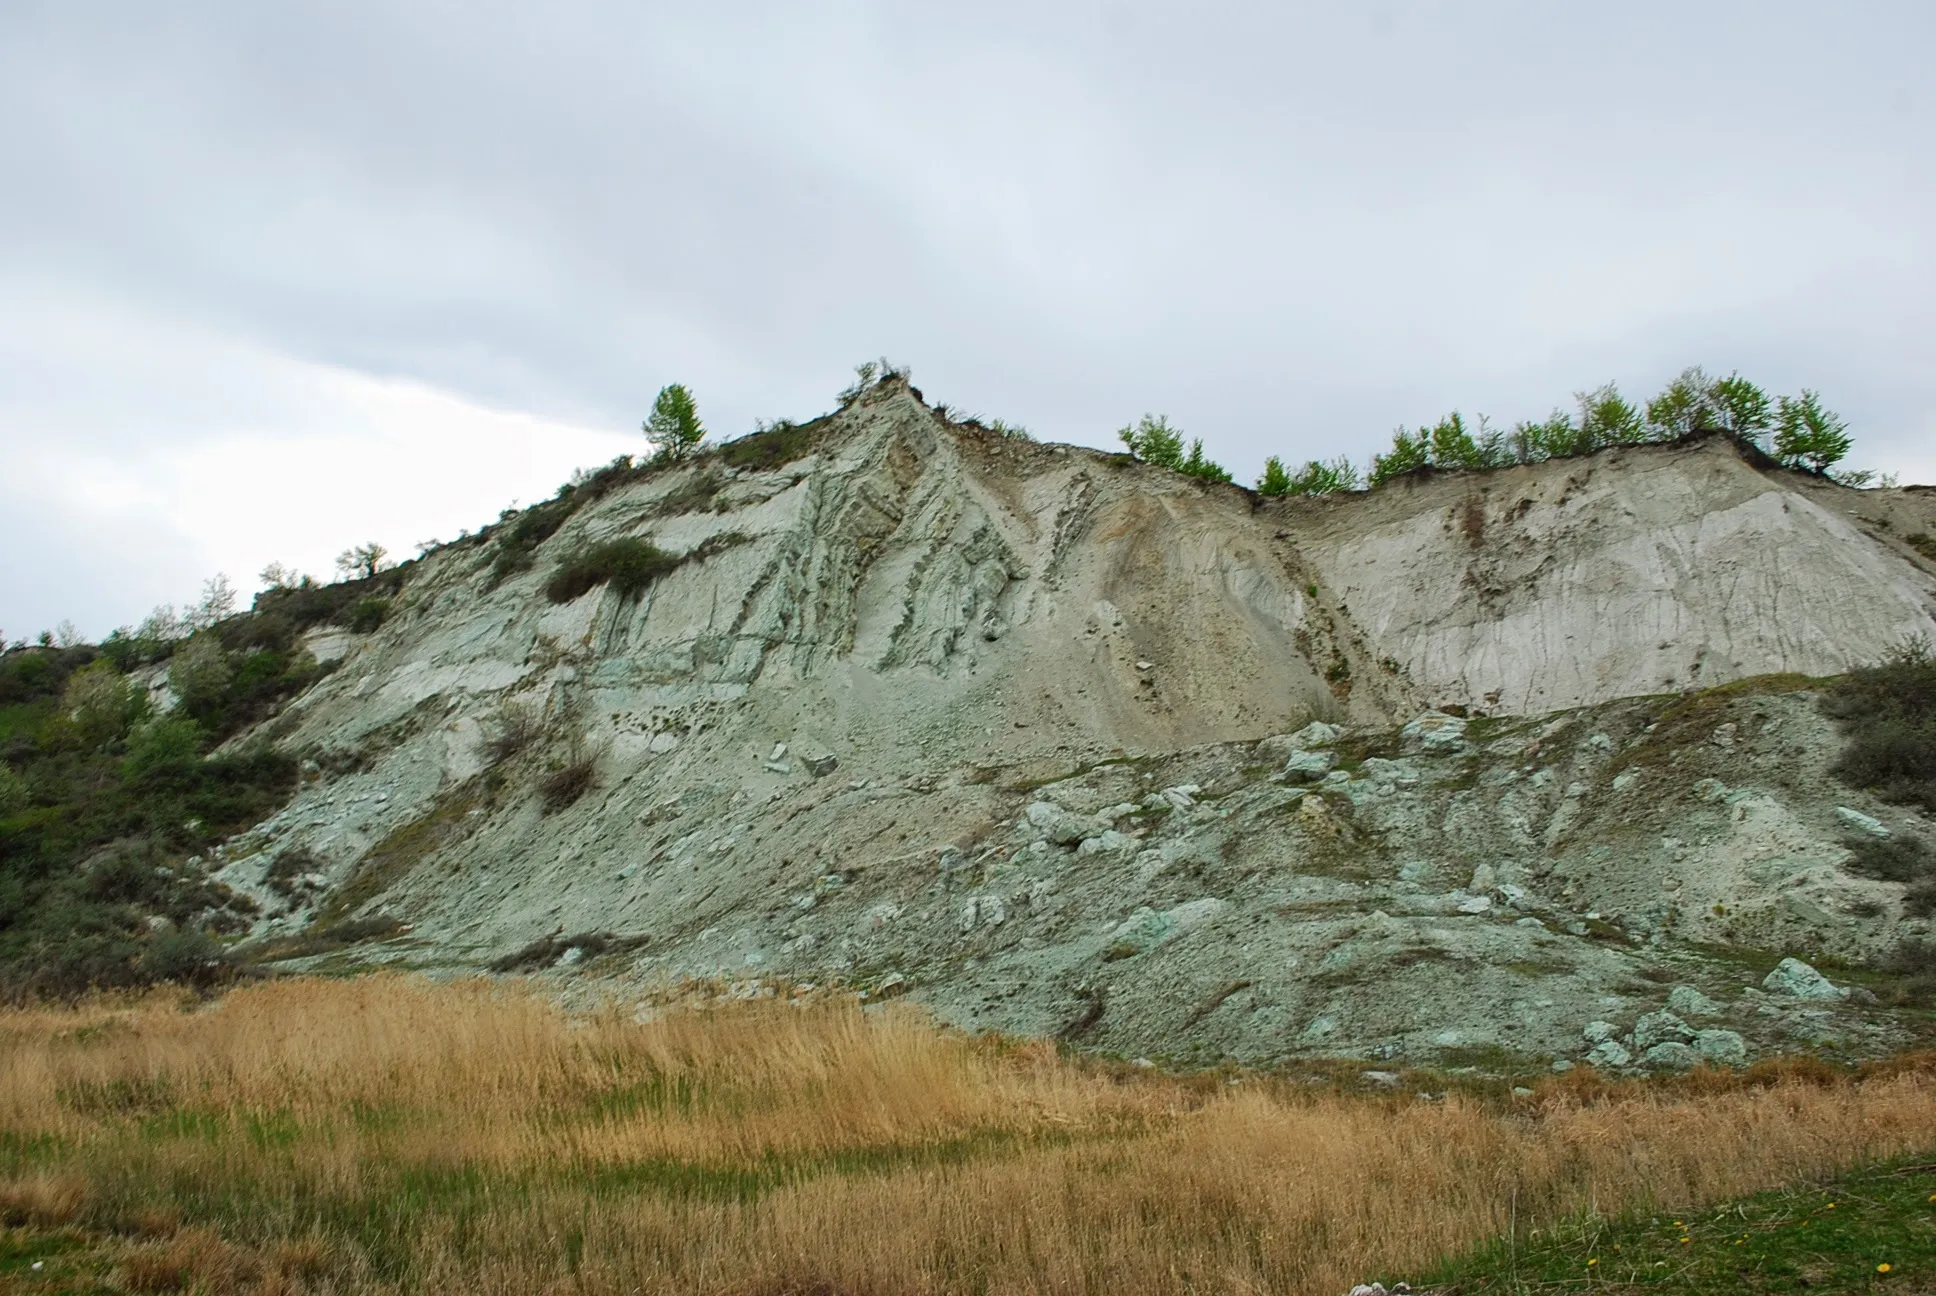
1197	464
1689	405
1808	436
1275	481
1409	452
1451	445
1154	441
1607	418
199	673
1556	438
674	428
1742	407
362	561
1325	478
98	704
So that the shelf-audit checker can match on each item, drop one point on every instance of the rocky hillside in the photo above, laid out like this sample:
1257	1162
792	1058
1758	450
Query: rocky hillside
1058	742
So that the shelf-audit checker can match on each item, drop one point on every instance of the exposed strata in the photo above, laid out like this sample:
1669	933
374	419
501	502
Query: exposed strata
927	719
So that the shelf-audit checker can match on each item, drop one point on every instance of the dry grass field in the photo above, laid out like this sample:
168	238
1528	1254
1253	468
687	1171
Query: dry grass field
389	1134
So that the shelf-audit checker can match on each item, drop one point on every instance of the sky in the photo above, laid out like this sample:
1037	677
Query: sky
280	279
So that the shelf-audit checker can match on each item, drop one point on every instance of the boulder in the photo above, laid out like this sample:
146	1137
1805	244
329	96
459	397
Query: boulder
1107	842
1670	1056
1307	765
1599	1032
1608	1054
1142	930
1316	734
1797	979
1660	1027
1435	731
1689	1002
1058	825
1721	1047
1861	822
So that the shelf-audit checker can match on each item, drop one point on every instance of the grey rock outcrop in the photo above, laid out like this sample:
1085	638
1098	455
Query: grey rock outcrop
1687	1001
1797	979
1049	675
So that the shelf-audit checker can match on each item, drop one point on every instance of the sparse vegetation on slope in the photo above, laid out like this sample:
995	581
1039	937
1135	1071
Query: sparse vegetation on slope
102	800
627	565
1889	713
1153	441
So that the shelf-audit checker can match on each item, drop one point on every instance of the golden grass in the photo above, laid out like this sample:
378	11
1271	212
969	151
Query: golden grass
388	1134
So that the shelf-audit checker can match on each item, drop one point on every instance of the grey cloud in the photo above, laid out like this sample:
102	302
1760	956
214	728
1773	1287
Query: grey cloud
1292	227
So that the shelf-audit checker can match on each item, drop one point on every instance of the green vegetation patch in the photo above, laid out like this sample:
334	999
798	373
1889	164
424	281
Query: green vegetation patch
1874	1231
773	446
101	801
1888	712
391	859
627	566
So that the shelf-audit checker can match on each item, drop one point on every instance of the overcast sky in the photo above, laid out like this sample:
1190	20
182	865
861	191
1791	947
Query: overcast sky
278	278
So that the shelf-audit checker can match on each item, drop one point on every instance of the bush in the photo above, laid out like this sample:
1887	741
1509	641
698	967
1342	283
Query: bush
628	566
1888	712
1275	481
1154	441
773	445
1325	478
1808	436
563	786
369	613
1890	859
518	726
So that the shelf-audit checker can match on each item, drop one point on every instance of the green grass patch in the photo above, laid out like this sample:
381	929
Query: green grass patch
1888	713
1816	1239
773	446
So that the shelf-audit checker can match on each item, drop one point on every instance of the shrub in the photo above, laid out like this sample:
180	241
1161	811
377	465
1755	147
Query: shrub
868	375
518	726
1888	712
1154	441
1275	480
772	445
1809	437
199	673
13	791
369	613
1325	478
99	704
171	741
1890	859
1409	452
627	565
288	868
1606	417
674	427
185	957
563	786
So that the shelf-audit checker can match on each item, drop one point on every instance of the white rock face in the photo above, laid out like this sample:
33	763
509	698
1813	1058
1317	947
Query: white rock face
991	718
1630	573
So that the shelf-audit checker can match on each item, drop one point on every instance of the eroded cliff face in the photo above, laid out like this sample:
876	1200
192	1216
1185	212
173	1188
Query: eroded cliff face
932	711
